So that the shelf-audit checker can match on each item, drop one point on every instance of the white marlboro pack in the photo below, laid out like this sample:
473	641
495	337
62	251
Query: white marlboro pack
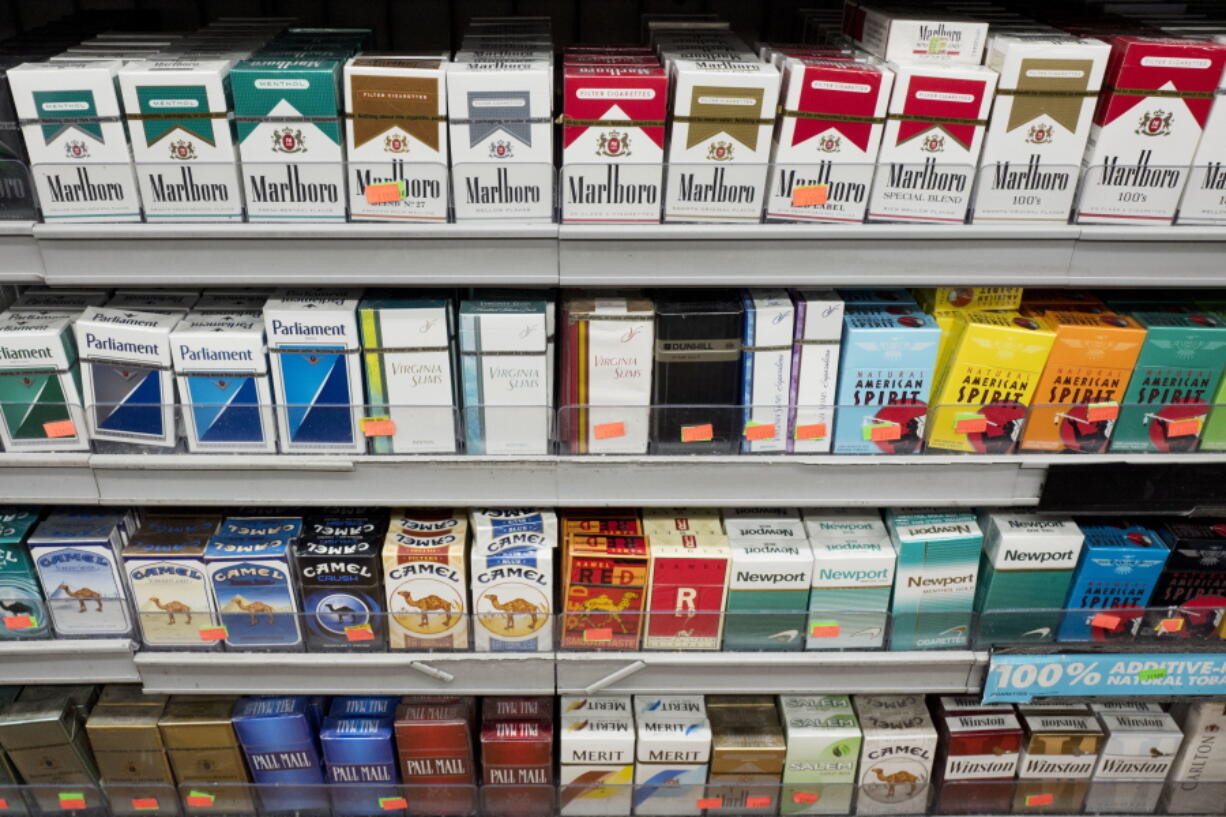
908	37
1149	121
501	139
1204	196
1040	124
830	133
613	142
930	150
396	131
75	138
720	142
186	163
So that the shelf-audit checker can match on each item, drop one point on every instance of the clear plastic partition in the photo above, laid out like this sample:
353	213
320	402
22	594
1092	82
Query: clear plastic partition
1140	194
1031	192
17	199
86	191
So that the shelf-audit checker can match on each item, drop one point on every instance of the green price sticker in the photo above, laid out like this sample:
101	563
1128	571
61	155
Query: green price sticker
1155	674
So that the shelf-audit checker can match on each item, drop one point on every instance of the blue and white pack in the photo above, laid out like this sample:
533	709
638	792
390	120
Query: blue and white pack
76	554
1117	570
364	706
248	565
766	367
879	296
279	744
359	755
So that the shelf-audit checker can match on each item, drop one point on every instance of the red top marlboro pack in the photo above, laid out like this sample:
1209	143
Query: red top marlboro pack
517	752
613	113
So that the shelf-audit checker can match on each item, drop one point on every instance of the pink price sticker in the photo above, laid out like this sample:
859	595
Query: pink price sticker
698	434
72	801
59	428
393	803
200	798
144	803
1040	799
20	622
710	802
378	427
214	633
609	431
760	431
805	797
4	804
757	802
1106	621
598	635
360	632
811	431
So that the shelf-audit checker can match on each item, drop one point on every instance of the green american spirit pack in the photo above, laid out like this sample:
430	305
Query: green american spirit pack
40	384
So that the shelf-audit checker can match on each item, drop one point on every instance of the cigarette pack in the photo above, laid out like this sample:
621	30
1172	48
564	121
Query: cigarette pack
894	35
763	524
1117	570
127	744
516	708
68	300
1091	362
281	751
77	557
673	756
602	706
154	300
40	384
171	592
967	705
596	757
1195	572
359	750
1202	201
517	753
1059	752
20	594
253	588
434	742
238	301
746	738
221	366
687	591
45	742
408	348
815	369
490	524
823	747
125	375
683	707
1137	754
82	697
379	707
1202	757
938	563
512	591
313	342
176	111
340	576
766	368
79	156
883	296
853	576
768	593
897	754
605	585
424	576
203	748
979	755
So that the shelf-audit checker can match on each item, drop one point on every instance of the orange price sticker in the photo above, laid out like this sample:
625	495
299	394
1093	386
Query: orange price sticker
1040	799
598	635
1170	625
759	431
72	801
215	633
378	426
3	804
384	193
805	797
710	802
812	431
884	432
393	803
199	798
1106	621
20	622
970	424
1183	428
60	428
360	632
1096	412
825	629
698	434
144	803
810	195
607	431
757	802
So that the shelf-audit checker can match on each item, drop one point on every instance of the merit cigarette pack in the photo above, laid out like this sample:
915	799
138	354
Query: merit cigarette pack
766	368
79	156
768	593
1195	571
1059	752
396	131
289	135
1117	570
1076	402
934	587
1203	202
20	594
177	117
40	384
127	743
815	369
853	576
1139	748
1147	126
607	353
886	374
931	144
77	557
829	134
894	35
979	752
897	754
253	587
171	592
596	757
408	348
221	365
604	589
1039	127
45	742
340	576
610	706
281	750
823	749
126	376
512	591
424	575
673	756
313	344
687	591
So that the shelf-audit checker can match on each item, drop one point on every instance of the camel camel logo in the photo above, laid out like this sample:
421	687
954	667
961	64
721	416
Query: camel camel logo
905	780
170	608
337	611
254	609
514	615
581	613
430	614
82	595
16	608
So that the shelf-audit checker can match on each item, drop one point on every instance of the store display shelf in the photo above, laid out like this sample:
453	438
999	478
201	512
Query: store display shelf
20	261
47	479
1147	257
88	660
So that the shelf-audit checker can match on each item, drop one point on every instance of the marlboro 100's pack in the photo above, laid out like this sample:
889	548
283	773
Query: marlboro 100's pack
1203	202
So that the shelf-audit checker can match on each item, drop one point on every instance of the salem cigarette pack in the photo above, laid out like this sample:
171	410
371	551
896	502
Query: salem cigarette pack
424	570
823	750
815	369
897	754
766	369
253	588
1117	570
77	557
40	384
853	577
171	591
938	564
20	594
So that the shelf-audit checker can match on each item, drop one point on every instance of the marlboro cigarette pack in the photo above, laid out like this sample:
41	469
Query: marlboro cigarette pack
1117	570
604	590
596	757
202	747
127	744
893	35
853	576
687	590
424	570
1202	201
823	747
815	369
673	755
897	754
170	586
78	562
938	563
981	746
42	387
766	364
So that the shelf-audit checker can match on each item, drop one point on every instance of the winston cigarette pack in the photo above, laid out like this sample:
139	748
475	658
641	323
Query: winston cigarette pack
339	572
596	757
253	588
823	747
768	593
853	577
815	369
977	746
898	750
688	589
20	594
673	756
934	593
77	557
424	570
1139	748
164	564
40	384
1117	569
512	591
766	368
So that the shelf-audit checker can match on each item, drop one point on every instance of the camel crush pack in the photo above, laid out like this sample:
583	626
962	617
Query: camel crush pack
248	563
77	555
337	565
171	592
425	577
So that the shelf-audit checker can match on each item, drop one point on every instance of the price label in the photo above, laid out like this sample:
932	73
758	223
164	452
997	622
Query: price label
811	431
710	802
805	797
360	632
609	431
598	635
72	800
970	424
378	426
59	428
760	431
698	434
200	798
20	622
757	802
144	803
393	803
1022	678
1040	799
214	633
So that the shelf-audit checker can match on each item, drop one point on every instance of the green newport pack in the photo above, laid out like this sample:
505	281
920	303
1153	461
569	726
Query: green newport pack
21	599
853	577
768	591
40	384
934	587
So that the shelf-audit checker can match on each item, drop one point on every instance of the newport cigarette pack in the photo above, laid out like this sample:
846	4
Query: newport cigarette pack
202	746
930	149
604	588
221	366
1024	575
396	131
897	754
934	587
766	364
996	360
340	576
763	524
1058	753
1117	570
830	132
1146	128
1039	127
289	135
45	742
1195	571
517	751
40	384
313	344
886	374
503	348
248	565
1203	202
768	593
434	741
1076	402
20	594
281	750
853	576
408	349
720	139
979	753
79	155
687	590
125	375
176	113
596	764
164	565
1173	386
127	744
673	755
894	35
604	706
512	591
77	557
424	575
823	747
815	369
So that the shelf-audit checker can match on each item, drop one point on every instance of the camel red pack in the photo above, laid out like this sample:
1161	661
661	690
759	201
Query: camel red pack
337	563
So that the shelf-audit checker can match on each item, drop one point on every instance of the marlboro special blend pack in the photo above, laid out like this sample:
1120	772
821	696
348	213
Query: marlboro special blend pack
396	131
1059	753
253	588
1147	125
182	139
604	582
1117	571
127	746
512	582
424	575
815	369
40	384
340	573
899	36
853	576
690	565
720	142
979	757
930	149
823	747
171	592
833	118
77	557
768	585
897	754
79	154
1040	124
766	369
934	587
20	594
289	138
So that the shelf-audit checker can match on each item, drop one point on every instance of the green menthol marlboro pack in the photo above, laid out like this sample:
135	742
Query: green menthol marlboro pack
40	384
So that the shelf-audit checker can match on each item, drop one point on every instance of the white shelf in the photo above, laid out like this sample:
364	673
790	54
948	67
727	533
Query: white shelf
68	660
20	261
63	479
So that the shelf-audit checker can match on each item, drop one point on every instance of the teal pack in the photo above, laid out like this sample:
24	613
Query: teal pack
20	592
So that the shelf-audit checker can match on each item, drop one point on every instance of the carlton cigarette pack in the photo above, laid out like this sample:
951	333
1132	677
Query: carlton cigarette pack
164	564
337	561
853	576
20	594
766	369
605	588
823	747
687	591
673	756
46	743
512	591
1117	570
894	35
77	557
40	384
1202	757
934	593
815	369
127	744
979	753
253	588
897	755
201	744
424	574
596	757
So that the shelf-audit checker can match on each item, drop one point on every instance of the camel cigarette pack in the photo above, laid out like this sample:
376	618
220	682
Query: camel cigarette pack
79	155
1118	568
408	350
222	370
673	755
897	754
396	131
1173	386
1059	753
170	588
339	573
289	137
202	746
181	139
20	594
512	591
1195	571
605	587
687	590
815	369
894	35
281	750
1091	361
934	587
885	376
979	752
1027	565
766	367
853	576
127	744
823	748
768	593
995	363
77	556
126	375
930	149
830	132
253	586
596	764
491	524
1039	127
1147	126
313	344
425	576
40	383
46	743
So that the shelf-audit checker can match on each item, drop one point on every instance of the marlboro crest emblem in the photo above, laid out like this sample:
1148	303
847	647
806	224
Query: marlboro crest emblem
288	140
182	150
614	112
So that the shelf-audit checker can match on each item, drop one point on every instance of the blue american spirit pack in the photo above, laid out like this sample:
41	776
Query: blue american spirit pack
126	376
20	595
279	742
340	575
766	367
40	384
1117	571
164	565
222	370
253	588
934	586
76	553
317	378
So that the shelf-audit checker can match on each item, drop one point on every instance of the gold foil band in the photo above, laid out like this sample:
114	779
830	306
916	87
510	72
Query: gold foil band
566	121
147	117
833	117
1037	92
723	120
1160	93
399	117
400	350
936	120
